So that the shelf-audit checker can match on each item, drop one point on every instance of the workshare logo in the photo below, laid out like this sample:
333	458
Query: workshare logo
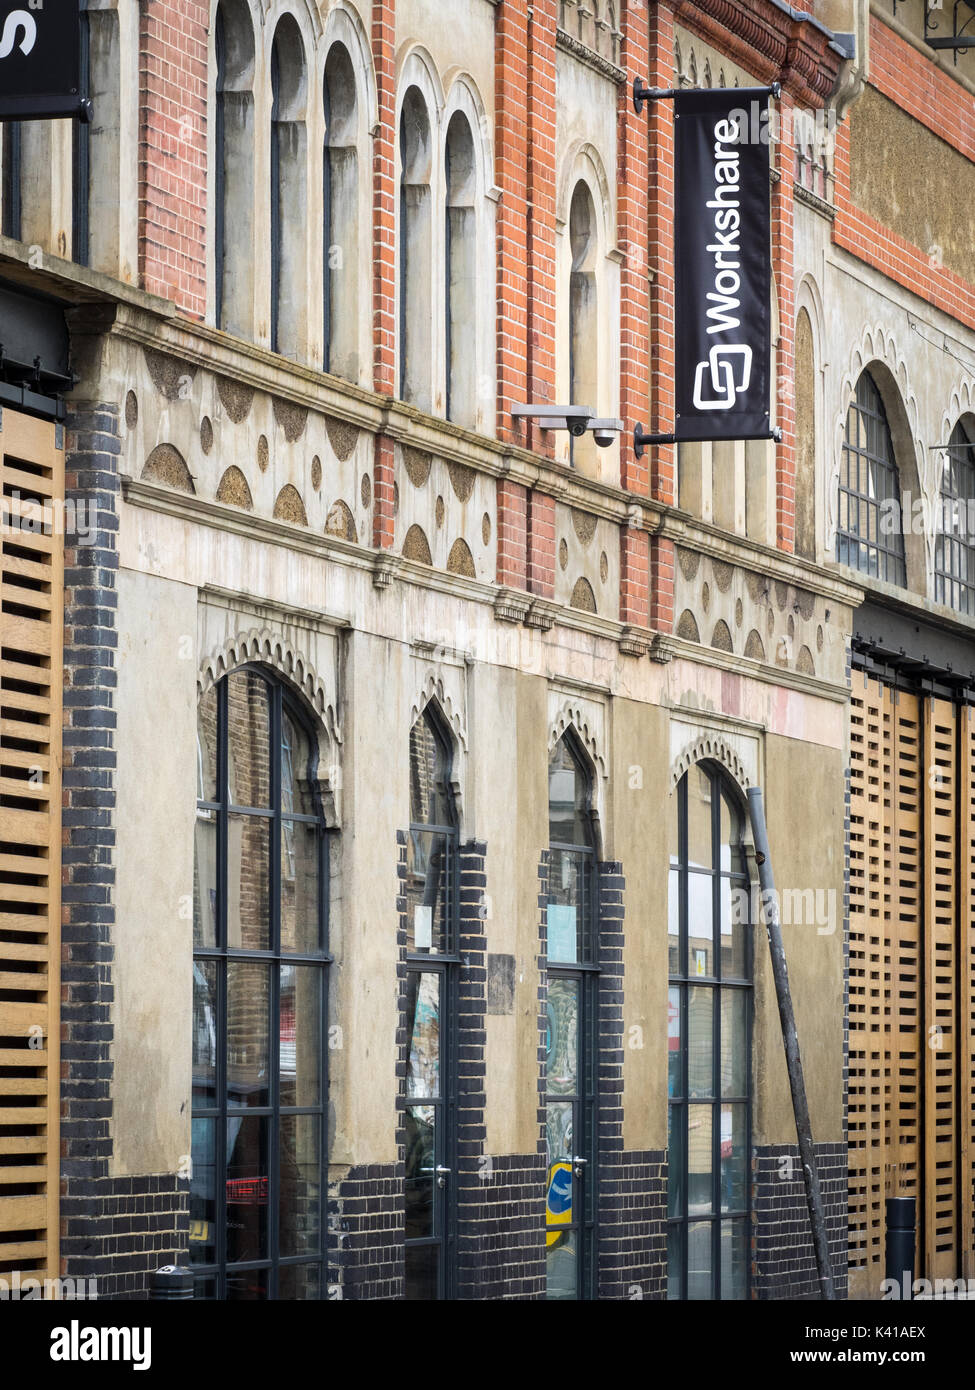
77	1343
719	380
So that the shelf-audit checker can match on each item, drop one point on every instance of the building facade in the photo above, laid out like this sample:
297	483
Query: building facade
380	900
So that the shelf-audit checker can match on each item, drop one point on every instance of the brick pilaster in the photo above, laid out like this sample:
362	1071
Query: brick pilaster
782	271
541	212
541	544
384	310
173	46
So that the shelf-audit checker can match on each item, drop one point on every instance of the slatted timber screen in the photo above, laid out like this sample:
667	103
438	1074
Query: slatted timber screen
911	1124
31	616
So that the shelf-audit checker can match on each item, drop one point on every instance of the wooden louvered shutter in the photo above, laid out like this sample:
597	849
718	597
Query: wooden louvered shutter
31	556
940	974
966	970
870	892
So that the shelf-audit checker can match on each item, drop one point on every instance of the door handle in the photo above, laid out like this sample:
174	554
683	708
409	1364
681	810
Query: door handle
441	1173
579	1167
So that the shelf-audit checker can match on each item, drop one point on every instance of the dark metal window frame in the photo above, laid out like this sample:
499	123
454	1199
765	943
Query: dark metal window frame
868	480
684	981
586	971
954	545
280	700
447	965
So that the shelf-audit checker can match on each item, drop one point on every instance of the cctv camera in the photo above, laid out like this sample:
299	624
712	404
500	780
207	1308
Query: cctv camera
604	438
577	428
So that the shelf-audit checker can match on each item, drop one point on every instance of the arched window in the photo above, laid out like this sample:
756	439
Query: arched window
583	316
432	892
954	546
869	534
233	169
288	189
257	1193
570	1086
415	233
340	199
461	273
709	1011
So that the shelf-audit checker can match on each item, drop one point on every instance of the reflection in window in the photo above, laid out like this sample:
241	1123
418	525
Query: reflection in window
954	545
570	1097
708	1045
870	534
260	886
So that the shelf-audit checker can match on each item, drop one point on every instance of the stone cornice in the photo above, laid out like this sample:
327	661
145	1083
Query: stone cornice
679	647
771	41
590	57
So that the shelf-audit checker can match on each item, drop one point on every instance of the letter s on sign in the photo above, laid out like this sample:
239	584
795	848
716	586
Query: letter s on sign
17	19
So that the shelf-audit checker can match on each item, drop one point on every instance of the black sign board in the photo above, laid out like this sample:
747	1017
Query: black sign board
723	266
40	60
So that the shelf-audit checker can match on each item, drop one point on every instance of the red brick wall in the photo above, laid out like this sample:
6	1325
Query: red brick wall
172	152
384	306
783	272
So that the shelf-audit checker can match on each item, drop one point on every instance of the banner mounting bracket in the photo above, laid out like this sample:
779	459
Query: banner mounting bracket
641	440
642	93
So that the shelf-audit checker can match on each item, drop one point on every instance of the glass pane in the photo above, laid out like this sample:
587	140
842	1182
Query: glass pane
421	1272
700	1166
734	1254
731	827
569	905
421	1163
734	1050
674	1078
734	1157
428	891
699	818
423	1042
562	1059
735	916
700	1042
699	1280
676	1159
558	1144
431	801
673	922
300	1283
562	1272
248	1006
300	844
206	747
205	879
301	1034
204	1033
297	797
246	1285
673	833
204	1289
203	1194
247	1187
700	910
249	739
568	798
675	1262
300	1199
248	883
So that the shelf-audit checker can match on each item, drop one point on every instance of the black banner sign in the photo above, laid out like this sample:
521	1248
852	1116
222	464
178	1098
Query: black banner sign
40	60
723	265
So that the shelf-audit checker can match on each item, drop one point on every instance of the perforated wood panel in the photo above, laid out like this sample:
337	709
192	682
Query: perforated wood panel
912	978
31	590
966	1031
941	1209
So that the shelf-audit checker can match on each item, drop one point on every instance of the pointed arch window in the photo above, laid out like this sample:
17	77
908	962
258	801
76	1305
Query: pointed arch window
233	168
258	1187
288	193
870	535
570	1070
583	314
432	990
954	546
709	1012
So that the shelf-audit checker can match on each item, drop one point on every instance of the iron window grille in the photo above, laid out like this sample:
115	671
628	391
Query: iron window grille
870	535
709	1046
258	1182
954	545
